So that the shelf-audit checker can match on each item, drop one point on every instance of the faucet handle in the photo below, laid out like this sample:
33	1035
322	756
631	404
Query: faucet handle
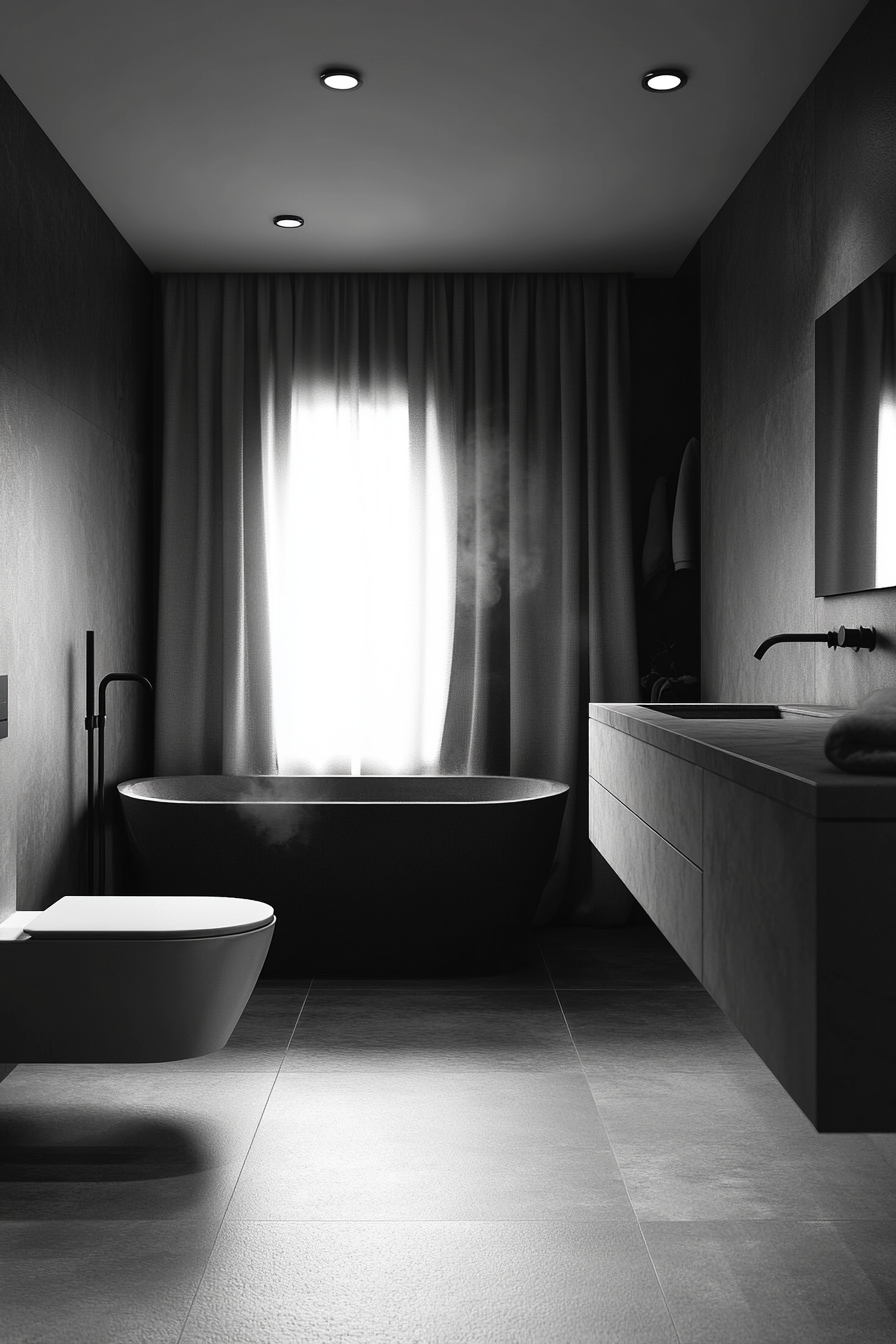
865	637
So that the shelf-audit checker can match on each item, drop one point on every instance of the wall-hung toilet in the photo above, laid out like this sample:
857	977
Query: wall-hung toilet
128	979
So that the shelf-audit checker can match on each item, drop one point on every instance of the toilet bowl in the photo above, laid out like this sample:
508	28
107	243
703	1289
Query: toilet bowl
128	979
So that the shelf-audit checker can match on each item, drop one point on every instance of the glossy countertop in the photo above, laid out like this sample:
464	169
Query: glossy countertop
782	758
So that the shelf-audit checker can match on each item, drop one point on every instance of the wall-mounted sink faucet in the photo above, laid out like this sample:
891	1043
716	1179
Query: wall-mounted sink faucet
865	637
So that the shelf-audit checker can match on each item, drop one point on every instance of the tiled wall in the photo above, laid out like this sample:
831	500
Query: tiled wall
75	498
815	215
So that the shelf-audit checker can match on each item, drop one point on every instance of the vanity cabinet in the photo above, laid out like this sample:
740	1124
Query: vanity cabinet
774	877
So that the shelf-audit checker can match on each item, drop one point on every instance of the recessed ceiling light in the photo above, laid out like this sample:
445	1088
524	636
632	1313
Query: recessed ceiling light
663	81
288	221
340	77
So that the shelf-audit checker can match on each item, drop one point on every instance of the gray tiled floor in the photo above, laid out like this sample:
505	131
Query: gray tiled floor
581	1151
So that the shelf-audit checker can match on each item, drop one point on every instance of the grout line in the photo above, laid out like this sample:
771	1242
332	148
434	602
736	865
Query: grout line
613	1151
264	1108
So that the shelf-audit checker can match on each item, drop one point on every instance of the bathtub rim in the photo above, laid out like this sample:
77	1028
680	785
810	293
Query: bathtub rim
130	789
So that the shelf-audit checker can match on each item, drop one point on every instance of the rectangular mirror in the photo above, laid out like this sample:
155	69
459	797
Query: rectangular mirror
855	439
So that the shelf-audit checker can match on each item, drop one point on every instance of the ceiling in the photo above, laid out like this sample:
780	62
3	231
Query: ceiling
488	135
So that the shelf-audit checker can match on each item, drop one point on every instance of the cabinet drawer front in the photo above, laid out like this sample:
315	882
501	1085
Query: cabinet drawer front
664	882
664	790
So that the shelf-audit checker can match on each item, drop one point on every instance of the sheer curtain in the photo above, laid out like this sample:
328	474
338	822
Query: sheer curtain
213	665
360	534
545	594
395	526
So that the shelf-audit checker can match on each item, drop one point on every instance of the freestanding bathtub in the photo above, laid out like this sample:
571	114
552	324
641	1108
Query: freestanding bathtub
377	873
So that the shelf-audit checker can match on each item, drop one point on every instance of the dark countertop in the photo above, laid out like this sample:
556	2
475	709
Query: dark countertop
782	758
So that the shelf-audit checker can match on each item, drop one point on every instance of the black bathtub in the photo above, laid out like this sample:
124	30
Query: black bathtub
377	873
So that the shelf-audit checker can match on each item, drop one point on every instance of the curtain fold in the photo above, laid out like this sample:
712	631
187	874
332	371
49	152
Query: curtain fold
213	705
515	393
545	593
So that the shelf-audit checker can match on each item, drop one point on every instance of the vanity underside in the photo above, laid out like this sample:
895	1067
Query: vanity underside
776	885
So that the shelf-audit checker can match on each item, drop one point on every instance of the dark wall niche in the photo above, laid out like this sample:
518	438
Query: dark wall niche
665	350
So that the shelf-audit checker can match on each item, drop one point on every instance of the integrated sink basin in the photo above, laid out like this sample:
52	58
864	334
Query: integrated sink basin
698	711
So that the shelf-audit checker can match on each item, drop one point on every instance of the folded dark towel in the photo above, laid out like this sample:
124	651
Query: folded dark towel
864	741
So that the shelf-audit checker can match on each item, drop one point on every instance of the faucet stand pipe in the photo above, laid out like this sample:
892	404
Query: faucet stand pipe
96	811
90	724
100	772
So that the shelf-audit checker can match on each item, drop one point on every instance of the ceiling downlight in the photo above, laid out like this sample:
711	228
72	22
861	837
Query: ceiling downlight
664	81
340	77
288	221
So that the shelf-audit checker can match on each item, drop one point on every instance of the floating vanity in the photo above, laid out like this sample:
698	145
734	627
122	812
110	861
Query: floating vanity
773	874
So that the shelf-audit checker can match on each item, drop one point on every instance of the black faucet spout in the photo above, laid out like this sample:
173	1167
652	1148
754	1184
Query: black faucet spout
861	637
830	639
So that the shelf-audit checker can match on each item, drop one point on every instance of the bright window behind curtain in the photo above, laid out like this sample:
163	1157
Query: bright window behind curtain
361	587
352	436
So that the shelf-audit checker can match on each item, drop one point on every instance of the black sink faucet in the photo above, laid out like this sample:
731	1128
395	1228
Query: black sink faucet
865	637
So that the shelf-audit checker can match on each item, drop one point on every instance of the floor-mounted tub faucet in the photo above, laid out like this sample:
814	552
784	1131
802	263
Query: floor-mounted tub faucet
96	818
865	637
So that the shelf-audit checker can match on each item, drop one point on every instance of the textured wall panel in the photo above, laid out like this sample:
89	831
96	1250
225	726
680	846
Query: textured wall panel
757	274
10	159
75	327
791	241
80	296
758	551
9	745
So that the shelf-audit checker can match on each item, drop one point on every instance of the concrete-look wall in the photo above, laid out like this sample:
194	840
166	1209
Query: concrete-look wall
814	216
75	502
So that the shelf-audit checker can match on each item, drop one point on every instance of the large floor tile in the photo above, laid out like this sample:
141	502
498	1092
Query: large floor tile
872	1245
636	956
446	1030
435	1164
641	1032
759	1175
777	1283
696	1106
442	1283
885	1143
125	1144
111	1283
428	1146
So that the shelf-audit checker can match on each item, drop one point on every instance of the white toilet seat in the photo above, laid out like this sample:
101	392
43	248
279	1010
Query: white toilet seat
148	917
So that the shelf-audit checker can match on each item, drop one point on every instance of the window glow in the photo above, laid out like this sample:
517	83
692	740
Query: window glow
361	585
885	550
